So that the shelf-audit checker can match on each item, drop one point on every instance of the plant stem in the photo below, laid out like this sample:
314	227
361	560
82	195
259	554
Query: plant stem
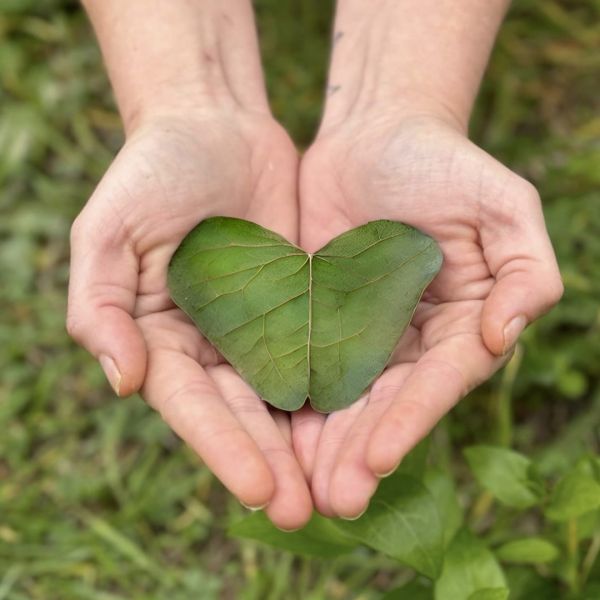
481	507
484	502
573	555
504	398
590	558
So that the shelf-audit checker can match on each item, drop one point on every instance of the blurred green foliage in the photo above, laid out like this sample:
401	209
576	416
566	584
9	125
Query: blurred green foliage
97	498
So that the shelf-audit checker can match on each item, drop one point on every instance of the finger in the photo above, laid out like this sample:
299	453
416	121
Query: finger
189	401
102	292
307	425
439	379
331	443
282	420
352	482
290	506
520	257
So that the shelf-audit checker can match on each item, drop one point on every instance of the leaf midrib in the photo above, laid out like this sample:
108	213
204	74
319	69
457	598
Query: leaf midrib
309	291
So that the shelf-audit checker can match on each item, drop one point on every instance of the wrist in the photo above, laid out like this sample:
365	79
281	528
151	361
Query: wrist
384	112
169	100
179	56
391	57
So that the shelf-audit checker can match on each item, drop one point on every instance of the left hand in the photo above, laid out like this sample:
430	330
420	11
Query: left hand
499	274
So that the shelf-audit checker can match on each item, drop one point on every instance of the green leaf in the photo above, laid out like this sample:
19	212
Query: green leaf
414	463
591	591
507	475
442	487
531	550
411	591
574	495
526	584
490	594
469	567
403	522
320	538
588	524
295	325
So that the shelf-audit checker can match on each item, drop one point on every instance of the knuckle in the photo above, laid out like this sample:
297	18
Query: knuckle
78	229
554	290
177	403
74	326
95	227
383	394
442	370
246	404
517	198
217	435
527	191
277	452
85	230
407	414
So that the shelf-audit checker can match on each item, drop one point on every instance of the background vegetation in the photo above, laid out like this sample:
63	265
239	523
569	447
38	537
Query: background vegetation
98	499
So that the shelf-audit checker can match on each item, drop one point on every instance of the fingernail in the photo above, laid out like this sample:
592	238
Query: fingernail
512	332
388	473
358	516
288	530
111	371
254	508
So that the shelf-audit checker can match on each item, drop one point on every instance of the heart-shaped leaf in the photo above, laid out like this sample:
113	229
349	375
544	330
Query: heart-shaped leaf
295	325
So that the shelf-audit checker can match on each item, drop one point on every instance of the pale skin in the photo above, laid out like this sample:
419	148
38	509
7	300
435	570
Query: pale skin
392	144
200	141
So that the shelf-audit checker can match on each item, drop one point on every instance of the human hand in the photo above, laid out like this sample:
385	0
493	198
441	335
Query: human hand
200	142
171	174
499	274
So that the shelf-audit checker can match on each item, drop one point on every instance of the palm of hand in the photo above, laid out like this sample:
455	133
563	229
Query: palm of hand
428	175
167	178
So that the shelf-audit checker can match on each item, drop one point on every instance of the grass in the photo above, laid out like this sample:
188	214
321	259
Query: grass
98	500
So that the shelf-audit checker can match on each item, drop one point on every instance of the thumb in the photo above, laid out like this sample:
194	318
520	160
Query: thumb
520	256
102	292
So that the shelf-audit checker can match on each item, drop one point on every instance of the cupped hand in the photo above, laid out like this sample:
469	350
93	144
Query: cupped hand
172	172
499	274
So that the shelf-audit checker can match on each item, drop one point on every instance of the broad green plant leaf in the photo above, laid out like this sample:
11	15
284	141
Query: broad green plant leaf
319	538
507	475
591	591
490	594
444	492
525	583
402	521
414	590
574	495
533	550
588	525
469	568
295	325
414	463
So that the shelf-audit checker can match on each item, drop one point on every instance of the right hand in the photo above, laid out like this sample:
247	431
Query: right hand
173	172
499	274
